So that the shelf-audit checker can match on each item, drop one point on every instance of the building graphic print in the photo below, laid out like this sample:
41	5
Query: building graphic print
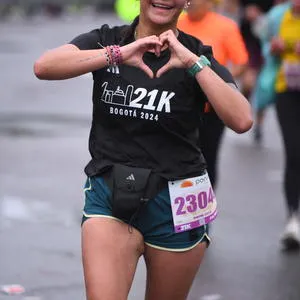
118	97
147	101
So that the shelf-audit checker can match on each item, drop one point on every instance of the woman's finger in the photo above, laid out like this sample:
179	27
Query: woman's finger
150	40
164	38
163	69
153	44
146	69
158	50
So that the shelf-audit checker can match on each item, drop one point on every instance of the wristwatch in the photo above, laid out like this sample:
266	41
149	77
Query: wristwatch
199	65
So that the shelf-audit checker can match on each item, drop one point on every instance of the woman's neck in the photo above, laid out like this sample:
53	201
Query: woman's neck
143	30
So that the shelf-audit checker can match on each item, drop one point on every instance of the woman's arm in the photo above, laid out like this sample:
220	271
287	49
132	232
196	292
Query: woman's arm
68	61
229	104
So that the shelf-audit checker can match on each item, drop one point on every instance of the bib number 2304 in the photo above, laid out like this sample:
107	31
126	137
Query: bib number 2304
193	202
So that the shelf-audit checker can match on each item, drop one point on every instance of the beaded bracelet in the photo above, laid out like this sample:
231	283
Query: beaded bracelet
107	58
109	55
118	54
113	55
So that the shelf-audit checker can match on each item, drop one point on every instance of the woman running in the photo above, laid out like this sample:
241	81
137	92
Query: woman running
286	47
147	192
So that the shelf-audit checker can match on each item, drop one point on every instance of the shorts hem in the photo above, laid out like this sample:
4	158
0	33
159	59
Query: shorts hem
101	216
205	235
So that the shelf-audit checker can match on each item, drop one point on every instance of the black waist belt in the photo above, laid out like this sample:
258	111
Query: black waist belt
131	188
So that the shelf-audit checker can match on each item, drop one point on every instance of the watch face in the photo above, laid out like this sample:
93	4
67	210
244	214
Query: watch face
204	61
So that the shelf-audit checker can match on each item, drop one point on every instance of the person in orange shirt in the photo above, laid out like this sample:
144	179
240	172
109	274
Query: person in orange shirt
224	36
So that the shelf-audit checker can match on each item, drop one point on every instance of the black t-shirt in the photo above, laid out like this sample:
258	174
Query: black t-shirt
143	122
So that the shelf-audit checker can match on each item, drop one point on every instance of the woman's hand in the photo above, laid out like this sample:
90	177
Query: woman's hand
181	57
132	54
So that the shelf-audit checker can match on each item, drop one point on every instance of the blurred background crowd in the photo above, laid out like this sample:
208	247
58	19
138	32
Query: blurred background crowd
52	8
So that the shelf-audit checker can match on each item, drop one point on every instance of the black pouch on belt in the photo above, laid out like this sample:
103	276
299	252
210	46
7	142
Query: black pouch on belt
129	188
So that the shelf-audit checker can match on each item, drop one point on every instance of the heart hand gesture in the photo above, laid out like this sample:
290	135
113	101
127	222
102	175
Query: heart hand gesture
132	53
181	57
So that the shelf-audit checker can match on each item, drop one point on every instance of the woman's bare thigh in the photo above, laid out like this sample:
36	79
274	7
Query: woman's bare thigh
110	253
170	274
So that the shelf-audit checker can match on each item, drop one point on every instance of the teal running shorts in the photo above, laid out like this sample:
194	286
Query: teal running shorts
154	221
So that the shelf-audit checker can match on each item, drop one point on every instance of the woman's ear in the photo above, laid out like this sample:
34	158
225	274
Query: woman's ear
181	3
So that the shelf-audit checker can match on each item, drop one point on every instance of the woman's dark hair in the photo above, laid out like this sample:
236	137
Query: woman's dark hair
129	31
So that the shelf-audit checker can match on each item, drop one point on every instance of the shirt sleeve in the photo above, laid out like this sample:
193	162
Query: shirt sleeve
235	46
224	74
87	41
91	40
222	71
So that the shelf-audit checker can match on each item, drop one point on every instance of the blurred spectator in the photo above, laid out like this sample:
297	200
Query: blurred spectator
252	9
231	9
53	8
104	5
259	28
279	81
287	47
6	7
229	49
247	13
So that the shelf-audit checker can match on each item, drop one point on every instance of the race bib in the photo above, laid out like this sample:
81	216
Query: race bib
193	202
292	75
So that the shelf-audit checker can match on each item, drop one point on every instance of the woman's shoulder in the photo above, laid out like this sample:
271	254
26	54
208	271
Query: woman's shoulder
194	44
111	34
189	41
102	36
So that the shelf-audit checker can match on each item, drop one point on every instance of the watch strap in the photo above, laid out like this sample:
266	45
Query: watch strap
199	65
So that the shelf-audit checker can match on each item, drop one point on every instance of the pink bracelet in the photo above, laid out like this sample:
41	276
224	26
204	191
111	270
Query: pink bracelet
107	58
118	54
113	54
109	55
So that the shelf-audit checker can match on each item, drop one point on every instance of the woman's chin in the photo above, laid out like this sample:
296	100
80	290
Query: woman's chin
161	20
